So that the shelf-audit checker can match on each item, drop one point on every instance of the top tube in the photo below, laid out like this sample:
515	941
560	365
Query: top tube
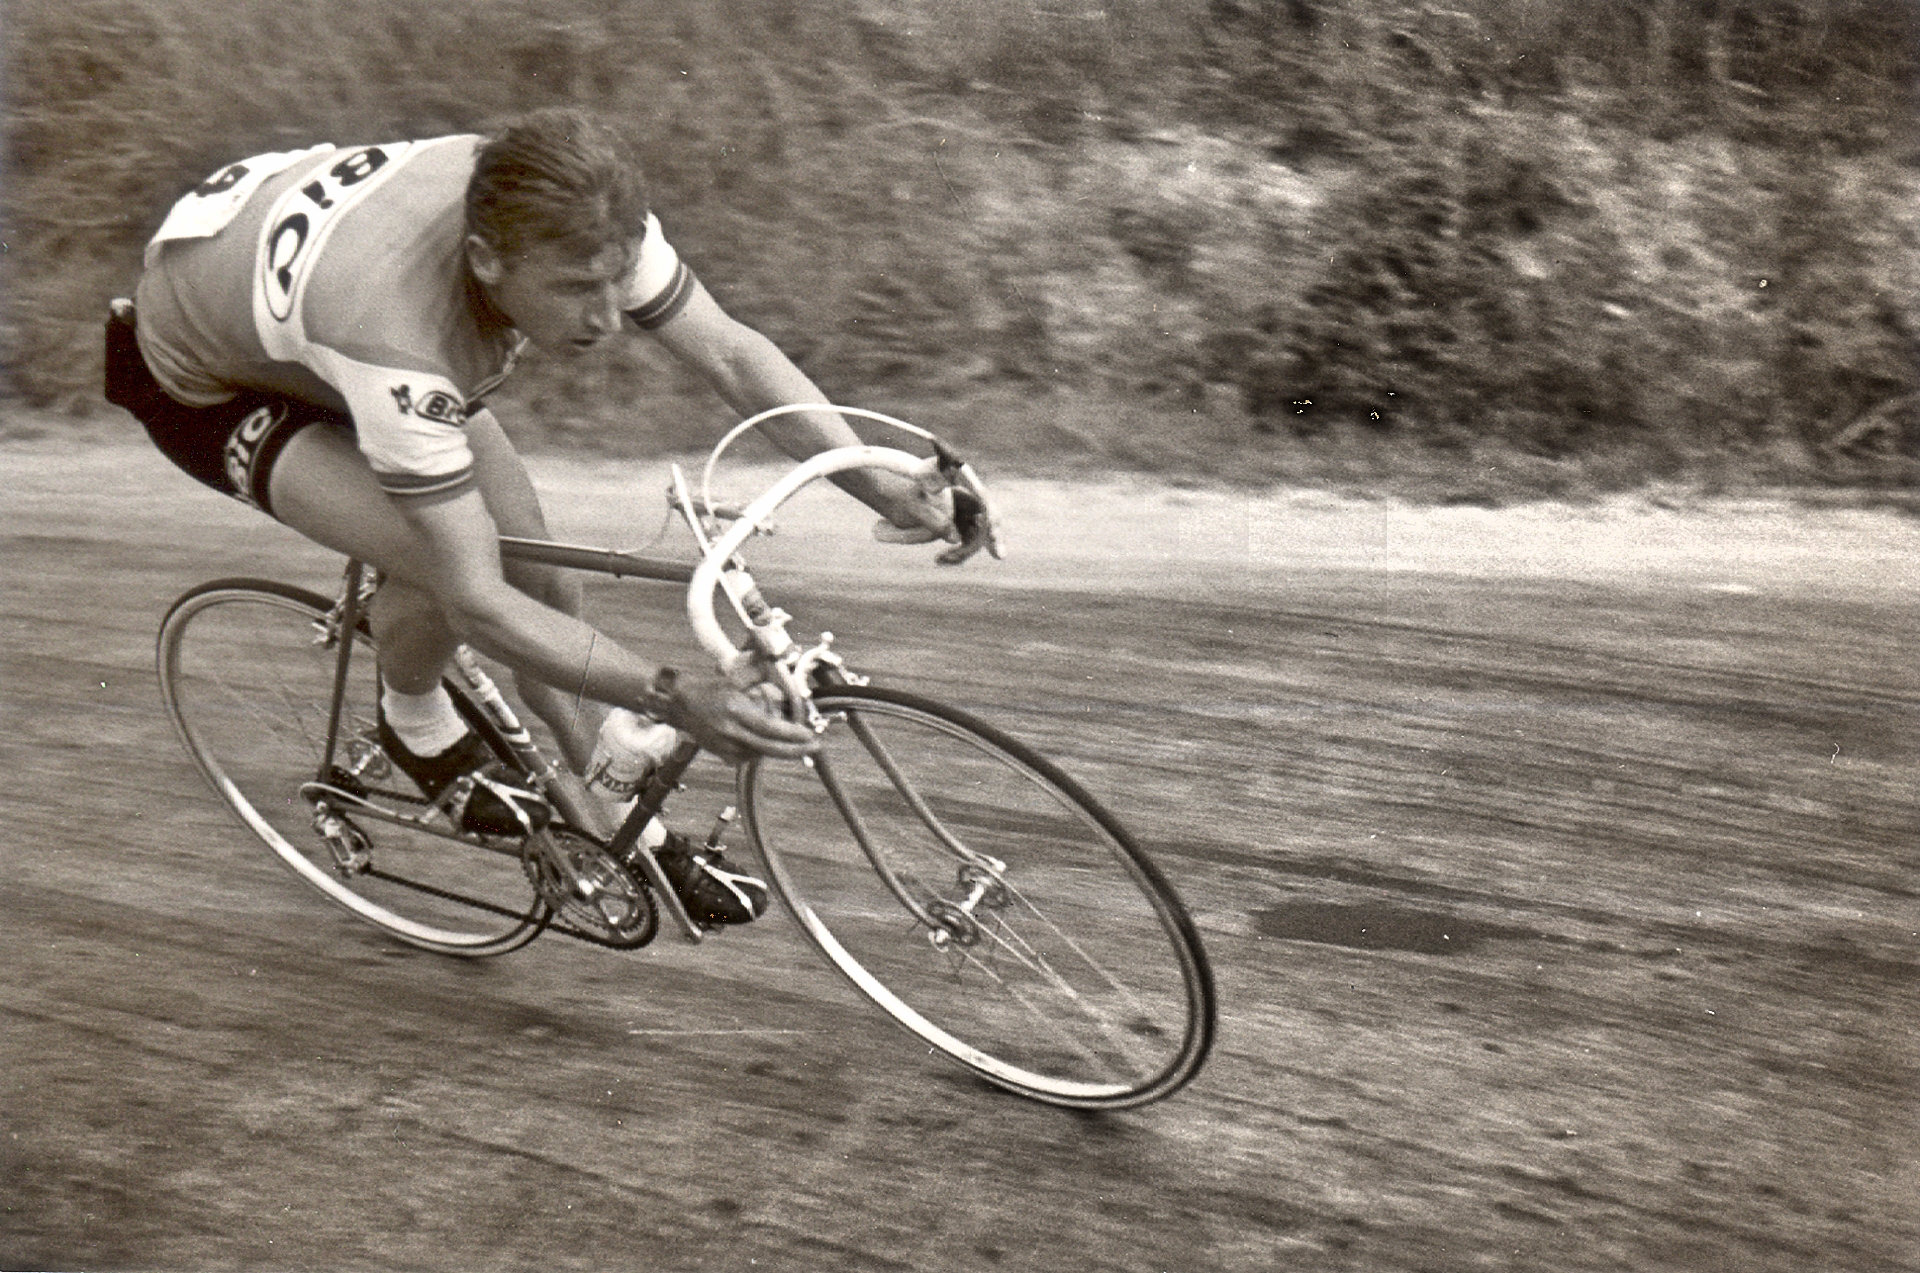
703	578
603	561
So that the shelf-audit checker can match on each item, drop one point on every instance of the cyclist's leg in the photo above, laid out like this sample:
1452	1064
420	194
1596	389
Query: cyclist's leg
414	641
322	486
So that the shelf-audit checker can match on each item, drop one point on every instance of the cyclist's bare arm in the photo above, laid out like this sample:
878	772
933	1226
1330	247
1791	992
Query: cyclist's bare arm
460	566
751	375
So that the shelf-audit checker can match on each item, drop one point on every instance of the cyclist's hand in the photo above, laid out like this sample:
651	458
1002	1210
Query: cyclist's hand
953	505
735	724
973	519
922	514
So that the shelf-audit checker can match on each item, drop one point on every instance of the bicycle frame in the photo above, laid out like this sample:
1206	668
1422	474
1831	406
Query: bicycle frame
564	788
720	570
1070	972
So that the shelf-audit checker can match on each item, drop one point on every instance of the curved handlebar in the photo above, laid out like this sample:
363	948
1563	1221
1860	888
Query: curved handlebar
706	576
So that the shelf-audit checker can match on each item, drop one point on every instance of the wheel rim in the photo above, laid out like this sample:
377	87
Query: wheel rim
1072	975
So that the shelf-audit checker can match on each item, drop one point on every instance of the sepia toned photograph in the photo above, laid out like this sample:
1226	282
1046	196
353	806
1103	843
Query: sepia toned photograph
1154	636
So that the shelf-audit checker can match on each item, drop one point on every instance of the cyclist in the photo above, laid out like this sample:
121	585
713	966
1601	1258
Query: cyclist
315	334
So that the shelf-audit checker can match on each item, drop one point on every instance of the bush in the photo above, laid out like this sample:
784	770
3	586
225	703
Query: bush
1679	230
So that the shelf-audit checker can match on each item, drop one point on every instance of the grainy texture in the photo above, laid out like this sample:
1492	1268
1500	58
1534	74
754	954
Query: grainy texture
1563	902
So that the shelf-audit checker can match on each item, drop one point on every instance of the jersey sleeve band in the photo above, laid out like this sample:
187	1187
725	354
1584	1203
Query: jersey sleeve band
668	302
415	486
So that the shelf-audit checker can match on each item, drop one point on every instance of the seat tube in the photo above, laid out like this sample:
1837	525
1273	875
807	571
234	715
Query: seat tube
345	622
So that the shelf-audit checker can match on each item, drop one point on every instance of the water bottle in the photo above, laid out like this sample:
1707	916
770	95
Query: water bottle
629	749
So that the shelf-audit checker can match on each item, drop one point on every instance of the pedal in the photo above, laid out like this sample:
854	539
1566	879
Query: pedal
352	851
367	761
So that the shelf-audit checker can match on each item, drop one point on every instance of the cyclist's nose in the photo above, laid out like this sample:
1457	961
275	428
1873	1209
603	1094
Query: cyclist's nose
603	316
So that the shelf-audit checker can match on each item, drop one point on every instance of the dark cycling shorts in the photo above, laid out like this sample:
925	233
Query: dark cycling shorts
230	446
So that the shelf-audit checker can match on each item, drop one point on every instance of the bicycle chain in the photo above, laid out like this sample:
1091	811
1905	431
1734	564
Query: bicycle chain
559	905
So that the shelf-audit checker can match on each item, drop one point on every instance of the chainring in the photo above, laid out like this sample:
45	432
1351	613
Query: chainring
593	895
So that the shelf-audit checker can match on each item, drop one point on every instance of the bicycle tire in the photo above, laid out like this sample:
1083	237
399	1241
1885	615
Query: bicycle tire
248	684
1077	978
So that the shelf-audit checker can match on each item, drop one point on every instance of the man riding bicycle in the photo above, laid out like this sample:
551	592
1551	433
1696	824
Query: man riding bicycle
380	293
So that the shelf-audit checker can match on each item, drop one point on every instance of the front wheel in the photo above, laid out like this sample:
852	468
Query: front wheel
248	677
984	901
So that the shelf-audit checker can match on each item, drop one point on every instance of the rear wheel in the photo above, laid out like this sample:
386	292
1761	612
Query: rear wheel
247	676
985	901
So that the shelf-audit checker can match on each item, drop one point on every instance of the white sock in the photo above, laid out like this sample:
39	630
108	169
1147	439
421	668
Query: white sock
426	723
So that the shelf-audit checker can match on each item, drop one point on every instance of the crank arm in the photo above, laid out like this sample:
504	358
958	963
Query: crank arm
628	848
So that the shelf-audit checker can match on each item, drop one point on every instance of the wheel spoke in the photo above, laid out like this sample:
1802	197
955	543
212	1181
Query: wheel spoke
1063	995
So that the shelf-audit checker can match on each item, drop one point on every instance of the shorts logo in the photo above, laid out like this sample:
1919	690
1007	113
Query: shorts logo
435	405
243	448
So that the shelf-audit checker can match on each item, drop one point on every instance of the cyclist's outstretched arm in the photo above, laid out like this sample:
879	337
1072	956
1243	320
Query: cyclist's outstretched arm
459	564
752	375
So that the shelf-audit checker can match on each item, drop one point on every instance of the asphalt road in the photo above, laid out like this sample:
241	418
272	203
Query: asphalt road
1561	871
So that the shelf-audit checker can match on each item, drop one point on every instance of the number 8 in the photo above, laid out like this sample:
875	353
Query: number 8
356	168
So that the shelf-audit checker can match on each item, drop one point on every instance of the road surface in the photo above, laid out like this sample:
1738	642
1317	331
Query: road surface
1560	868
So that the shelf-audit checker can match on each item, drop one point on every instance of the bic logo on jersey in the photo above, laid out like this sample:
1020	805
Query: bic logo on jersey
299	221
435	404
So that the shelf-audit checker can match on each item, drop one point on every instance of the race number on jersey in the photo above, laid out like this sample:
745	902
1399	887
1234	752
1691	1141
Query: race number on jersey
205	210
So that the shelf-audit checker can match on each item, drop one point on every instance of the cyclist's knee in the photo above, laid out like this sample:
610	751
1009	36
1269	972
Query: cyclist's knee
413	634
402	608
402	602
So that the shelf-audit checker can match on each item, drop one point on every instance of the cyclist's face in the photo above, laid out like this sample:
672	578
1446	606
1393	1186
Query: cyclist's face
557	298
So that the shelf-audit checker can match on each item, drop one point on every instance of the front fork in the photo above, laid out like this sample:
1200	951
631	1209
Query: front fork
979	878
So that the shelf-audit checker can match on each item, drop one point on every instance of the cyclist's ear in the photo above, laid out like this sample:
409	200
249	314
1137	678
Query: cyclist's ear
484	260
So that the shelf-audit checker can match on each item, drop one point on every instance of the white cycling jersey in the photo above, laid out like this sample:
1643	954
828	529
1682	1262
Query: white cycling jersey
338	276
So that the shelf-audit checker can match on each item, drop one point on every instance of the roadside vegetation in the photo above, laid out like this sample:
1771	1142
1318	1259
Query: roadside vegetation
1452	249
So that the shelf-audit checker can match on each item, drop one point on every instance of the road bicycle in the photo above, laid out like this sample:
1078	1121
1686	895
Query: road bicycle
959	879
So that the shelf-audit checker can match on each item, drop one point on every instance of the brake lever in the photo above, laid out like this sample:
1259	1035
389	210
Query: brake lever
973	514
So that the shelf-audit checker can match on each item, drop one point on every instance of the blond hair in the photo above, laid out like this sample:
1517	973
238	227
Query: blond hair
558	175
